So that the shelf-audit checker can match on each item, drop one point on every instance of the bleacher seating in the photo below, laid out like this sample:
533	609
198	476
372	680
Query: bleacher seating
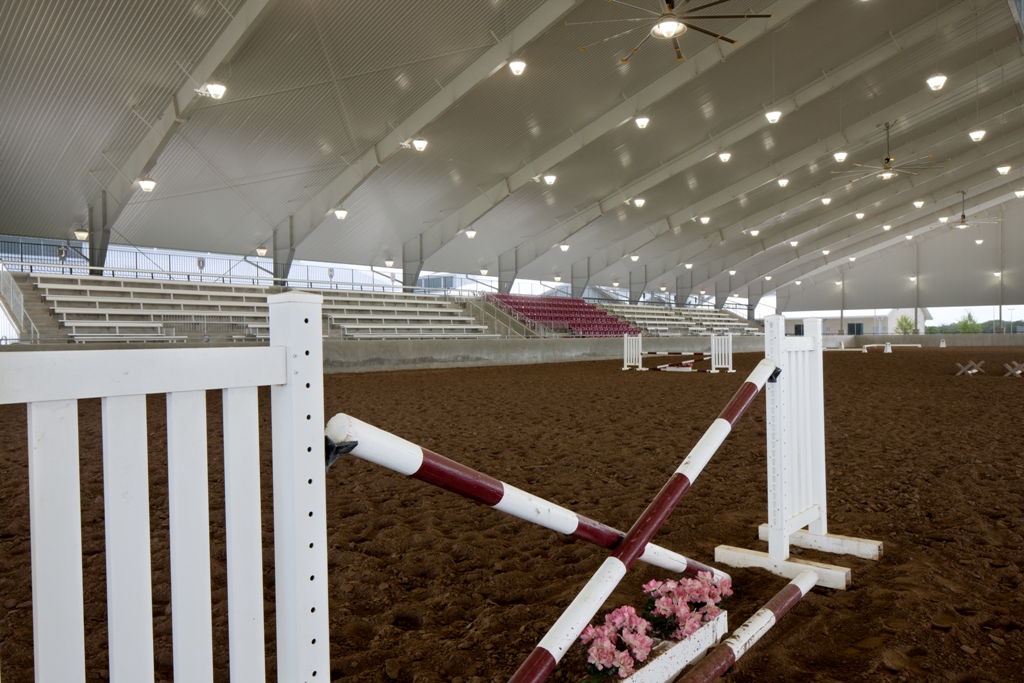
563	315
664	321
133	309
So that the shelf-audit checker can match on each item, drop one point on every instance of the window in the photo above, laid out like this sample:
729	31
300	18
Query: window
798	329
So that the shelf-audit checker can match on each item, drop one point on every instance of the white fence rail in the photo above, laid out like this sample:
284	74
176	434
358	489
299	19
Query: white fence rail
51	383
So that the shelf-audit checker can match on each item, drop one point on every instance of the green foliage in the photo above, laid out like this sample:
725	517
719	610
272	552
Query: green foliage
967	324
905	325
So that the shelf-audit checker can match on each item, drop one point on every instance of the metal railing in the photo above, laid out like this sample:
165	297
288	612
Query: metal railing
15	304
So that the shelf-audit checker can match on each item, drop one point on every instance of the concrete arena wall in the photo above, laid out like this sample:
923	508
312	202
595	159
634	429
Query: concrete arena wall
933	339
399	354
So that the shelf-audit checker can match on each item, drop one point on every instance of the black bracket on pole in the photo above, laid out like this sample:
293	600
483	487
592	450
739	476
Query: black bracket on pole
775	376
333	451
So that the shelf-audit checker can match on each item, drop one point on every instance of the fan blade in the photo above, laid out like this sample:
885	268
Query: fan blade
605	40
639	9
713	35
603	21
710	4
729	16
679	50
640	45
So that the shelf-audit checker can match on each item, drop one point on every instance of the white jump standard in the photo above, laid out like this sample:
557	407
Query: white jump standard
720	356
795	425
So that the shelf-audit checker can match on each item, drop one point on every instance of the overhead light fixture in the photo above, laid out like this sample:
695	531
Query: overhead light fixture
783	182
839	283
702	291
663	288
147	184
793	243
732	272
517	66
853	258
825	252
389	262
997	274
978	241
773	116
918	203
943	219
826	200
261	251
1019	193
910	237
668	27
615	283
635	257
81	235
936	82
563	247
913	278
977	135
886	175
639	202
768	277
798	282
216	90
689	266
558	278
840	156
725	156
419	144
642	121
755	233
705	220
471	233
340	214
1003	170
962	225
859	215
887	228
483	271
550	179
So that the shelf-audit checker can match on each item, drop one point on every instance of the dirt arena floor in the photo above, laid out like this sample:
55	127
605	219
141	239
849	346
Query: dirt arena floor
426	587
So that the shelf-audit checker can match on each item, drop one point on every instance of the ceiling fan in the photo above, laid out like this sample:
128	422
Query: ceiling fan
890	168
963	223
666	24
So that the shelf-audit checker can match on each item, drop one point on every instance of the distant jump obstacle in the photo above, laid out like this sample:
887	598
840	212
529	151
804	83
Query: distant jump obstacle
971	368
1017	370
720	356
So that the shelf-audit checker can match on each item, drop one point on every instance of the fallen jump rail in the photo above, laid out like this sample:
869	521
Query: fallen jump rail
542	661
346	434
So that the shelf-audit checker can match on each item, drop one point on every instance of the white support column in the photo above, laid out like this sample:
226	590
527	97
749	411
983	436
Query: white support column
55	521
816	426
776	401
300	530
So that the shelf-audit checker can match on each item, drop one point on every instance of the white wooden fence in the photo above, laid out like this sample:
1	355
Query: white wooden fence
51	383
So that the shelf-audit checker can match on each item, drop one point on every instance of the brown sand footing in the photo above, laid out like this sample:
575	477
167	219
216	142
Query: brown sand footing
428	587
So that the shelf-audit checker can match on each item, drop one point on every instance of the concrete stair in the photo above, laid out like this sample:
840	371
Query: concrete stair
39	312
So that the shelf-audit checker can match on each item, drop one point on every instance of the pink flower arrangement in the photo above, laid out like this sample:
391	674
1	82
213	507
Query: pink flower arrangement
618	644
676	609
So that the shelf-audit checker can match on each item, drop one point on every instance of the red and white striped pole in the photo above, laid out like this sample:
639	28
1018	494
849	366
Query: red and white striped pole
578	614
718	661
395	453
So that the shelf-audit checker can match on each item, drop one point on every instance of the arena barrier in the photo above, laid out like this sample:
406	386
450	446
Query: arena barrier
971	368
795	426
720	356
52	382
366	442
542	661
1017	370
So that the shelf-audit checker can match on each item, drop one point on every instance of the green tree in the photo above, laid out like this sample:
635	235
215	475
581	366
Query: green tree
967	324
904	325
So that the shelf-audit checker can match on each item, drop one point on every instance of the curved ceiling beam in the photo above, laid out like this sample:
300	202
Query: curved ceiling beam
678	257
516	259
983	189
438	235
855	134
308	218
825	230
816	271
143	157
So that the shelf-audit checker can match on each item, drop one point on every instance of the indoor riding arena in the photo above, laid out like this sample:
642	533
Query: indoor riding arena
511	340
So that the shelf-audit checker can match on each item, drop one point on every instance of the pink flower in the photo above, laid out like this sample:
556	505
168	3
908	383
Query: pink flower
652	587
624	662
710	612
725	587
602	653
664	606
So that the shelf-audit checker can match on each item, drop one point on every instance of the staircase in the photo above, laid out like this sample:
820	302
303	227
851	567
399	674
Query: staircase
38	312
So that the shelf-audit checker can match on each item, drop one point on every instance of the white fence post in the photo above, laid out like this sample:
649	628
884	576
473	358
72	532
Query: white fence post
776	401
300	529
632	352
721	353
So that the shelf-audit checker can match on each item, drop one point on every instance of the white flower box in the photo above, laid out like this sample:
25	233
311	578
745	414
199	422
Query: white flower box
668	658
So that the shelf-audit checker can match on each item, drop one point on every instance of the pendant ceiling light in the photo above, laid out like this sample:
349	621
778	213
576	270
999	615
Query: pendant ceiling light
389	262
705	220
859	215
615	283
483	271
793	243
668	27
918	203
642	121
826	200
81	235
725	156
563	247
340	214
471	233
147	184
550	179
558	278
517	67
783	182
419	144
261	251
634	258
639	202
755	233
887	228
936	80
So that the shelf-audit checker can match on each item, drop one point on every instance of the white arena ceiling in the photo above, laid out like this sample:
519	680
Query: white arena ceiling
321	95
